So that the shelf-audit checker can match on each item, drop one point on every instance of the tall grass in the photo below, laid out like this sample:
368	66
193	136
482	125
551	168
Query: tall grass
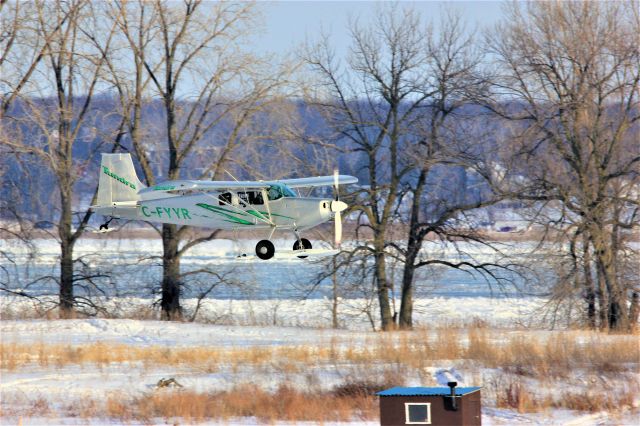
519	353
246	400
516	394
529	362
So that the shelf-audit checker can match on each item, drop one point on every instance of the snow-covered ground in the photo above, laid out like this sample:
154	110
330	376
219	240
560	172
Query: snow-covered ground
65	386
497	312
263	308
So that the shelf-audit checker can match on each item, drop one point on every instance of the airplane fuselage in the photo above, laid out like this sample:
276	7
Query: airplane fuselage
234	205
209	211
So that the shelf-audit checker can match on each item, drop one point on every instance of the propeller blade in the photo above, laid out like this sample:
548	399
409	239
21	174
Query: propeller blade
338	230
337	206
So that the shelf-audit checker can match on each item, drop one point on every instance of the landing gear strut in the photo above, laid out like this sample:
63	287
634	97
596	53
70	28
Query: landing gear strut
265	249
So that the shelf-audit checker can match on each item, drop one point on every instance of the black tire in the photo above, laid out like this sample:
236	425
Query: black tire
265	249
305	243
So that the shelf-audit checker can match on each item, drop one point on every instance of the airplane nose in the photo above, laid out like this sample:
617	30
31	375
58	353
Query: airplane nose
338	206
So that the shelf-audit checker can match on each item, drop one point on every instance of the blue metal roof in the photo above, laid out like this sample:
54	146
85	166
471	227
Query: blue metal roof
420	391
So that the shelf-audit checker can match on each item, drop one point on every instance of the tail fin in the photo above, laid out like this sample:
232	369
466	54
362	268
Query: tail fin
118	180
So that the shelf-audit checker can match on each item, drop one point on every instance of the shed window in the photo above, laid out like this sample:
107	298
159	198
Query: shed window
417	413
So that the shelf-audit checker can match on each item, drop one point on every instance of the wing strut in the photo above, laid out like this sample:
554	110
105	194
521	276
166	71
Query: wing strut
265	198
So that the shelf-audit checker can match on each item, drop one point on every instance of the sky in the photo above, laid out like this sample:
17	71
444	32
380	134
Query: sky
287	24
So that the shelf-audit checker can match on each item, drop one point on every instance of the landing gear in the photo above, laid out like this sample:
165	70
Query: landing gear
302	243
105	226
265	249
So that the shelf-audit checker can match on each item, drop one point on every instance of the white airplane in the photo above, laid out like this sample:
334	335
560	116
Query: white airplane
234	205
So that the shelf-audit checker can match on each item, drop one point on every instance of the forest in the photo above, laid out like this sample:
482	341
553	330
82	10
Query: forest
441	122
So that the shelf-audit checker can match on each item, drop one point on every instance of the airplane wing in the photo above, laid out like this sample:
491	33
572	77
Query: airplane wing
318	181
208	185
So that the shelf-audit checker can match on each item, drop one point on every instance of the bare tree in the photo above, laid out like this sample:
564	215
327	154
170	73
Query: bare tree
400	113
449	145
574	96
20	48
190	55
69	74
374	113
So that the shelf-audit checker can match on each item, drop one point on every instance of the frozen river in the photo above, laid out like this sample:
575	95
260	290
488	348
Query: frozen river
131	267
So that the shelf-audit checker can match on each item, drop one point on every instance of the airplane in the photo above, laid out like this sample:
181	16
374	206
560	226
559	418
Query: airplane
233	205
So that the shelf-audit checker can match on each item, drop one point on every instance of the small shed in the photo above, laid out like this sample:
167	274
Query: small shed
430	406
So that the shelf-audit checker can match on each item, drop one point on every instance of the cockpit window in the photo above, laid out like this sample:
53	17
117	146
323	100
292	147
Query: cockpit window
288	192
278	191
225	198
250	197
274	193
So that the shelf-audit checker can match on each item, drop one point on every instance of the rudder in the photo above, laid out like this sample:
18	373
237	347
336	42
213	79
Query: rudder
118	180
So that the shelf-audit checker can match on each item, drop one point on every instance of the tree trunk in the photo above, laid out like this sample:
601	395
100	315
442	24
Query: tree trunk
603	300
406	305
634	312
171	310
66	255
66	280
386	319
590	299
619	293
590	291
414	244
170	304
334	306
616	310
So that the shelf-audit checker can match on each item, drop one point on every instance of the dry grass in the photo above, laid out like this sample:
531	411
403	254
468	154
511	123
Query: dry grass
285	404
521	397
516	395
380	361
519	353
594	401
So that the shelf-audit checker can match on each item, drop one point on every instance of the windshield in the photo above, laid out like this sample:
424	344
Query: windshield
280	190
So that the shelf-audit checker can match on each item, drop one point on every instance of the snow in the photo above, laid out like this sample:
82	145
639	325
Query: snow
498	312
72	382
268	313
245	421
171	334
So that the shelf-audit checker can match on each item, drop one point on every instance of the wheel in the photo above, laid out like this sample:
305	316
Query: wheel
265	249
305	243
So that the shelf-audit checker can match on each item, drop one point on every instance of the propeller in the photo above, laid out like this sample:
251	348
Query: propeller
337	207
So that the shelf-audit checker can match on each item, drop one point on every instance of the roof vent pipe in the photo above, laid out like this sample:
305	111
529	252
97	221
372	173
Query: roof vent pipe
454	401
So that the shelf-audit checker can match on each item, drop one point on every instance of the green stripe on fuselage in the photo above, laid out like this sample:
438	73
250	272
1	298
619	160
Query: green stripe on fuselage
226	213
258	214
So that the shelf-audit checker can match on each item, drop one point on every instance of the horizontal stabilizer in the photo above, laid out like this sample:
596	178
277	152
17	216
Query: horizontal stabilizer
115	204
